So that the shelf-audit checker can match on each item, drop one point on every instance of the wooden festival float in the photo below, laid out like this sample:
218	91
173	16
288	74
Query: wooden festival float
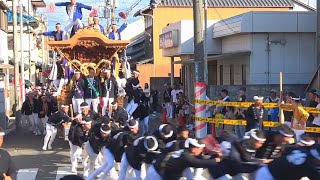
88	48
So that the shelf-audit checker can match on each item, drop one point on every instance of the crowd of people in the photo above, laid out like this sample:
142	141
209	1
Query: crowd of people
116	142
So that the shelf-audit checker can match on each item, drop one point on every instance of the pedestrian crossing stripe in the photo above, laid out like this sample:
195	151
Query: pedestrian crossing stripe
244	122
285	107
31	174
27	174
63	171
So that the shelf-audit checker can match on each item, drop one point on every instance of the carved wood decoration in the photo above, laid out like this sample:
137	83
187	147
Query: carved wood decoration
89	46
89	54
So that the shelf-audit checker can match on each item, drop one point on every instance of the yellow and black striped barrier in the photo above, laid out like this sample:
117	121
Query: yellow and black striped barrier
284	107
244	122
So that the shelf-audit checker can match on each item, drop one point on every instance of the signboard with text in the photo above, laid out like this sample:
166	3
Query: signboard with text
169	39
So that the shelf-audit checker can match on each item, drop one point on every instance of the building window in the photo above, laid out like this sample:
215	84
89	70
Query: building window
3	21
231	74
244	74
221	74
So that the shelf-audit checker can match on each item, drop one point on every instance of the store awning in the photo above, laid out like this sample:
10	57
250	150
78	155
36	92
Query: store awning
38	3
143	61
3	5
218	57
229	55
6	66
26	18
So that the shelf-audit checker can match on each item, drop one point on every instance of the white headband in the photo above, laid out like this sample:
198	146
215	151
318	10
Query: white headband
309	143
81	107
106	132
64	106
86	122
134	126
77	72
156	145
168	135
315	153
107	70
250	150
138	85
161	127
257	98
285	134
193	142
254	135
136	142
296	98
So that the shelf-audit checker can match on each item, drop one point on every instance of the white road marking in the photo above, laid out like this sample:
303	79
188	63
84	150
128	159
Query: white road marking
27	174
63	171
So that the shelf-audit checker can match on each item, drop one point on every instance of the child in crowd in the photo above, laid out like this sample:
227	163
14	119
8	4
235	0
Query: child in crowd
218	126
186	110
229	115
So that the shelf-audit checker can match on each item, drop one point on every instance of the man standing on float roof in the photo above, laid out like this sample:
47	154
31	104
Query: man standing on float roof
74	11
57	35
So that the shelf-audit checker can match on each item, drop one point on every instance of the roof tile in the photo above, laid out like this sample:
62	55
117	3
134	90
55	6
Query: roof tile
232	3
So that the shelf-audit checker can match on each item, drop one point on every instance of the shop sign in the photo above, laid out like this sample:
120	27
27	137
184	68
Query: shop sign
169	39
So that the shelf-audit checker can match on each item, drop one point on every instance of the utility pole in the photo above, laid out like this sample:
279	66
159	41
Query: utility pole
21	52
318	33
15	56
206	79
113	9
42	49
200	85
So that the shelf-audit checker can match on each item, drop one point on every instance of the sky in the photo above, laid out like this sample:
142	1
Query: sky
60	14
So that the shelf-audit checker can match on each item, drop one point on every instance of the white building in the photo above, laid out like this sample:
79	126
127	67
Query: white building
250	49
133	29
30	46
284	44
30	41
4	66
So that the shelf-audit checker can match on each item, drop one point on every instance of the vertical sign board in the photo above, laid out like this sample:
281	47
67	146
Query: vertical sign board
169	39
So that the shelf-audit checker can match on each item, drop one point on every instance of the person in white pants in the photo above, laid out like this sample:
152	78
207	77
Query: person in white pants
27	108
142	115
53	123
92	90
113	151
98	137
74	12
108	87
36	120
135	99
78	136
137	156
43	112
167	100
77	91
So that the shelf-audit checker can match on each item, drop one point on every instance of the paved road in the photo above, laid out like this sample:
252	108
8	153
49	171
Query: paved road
34	163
